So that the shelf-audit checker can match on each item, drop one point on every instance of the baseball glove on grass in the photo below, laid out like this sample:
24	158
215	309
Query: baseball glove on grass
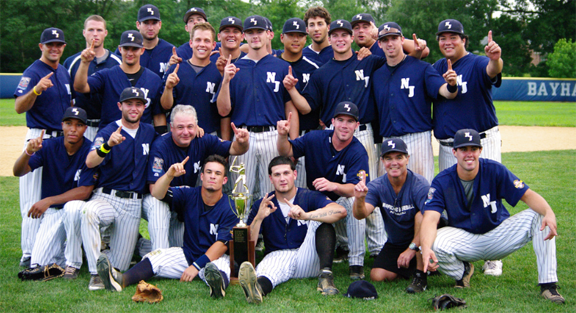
43	273
146	292
447	301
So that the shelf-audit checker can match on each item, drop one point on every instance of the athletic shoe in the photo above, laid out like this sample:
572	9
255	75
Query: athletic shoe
259	245
326	284
465	281
356	272
341	255
418	284
111	278
71	273
25	262
549	292
249	283
215	280
492	268
95	283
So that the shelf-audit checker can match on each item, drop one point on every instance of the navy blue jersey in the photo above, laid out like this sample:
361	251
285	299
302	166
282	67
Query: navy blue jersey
322	160
403	95
323	56
399	210
109	83
257	94
156	59
91	104
279	234
302	69
49	107
376	50
198	90
472	107
62	172
124	167
202	229
493	183
338	81
165	152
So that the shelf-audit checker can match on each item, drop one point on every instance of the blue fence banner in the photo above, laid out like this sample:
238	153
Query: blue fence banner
536	89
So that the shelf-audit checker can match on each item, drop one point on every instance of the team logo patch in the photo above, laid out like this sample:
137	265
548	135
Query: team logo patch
430	194
157	166
98	142
518	184
24	82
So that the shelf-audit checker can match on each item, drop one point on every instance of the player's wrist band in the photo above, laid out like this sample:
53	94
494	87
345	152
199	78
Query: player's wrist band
28	154
35	92
103	150
201	262
105	147
452	89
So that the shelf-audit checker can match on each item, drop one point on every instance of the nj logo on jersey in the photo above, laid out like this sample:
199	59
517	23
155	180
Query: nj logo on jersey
405	84
340	170
300	223
305	77
210	86
163	67
214	229
360	76
146	91
145	148
271	78
77	175
487	202
462	84
197	167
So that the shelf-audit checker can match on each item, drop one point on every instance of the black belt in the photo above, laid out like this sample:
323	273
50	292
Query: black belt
122	194
362	127
93	123
54	133
260	129
451	143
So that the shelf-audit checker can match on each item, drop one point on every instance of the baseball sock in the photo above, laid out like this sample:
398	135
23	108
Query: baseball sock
265	284
325	244
225	278
142	270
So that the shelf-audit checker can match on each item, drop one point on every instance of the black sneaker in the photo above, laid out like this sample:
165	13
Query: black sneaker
356	272
418	284
550	292
215	280
326	284
465	281
341	255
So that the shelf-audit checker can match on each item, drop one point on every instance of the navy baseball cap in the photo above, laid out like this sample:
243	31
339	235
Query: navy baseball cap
52	34
340	24
361	289
77	113
467	138
193	11
255	22
362	17
269	24
231	21
389	29
132	93
394	145
294	25
131	38
346	108
148	12
450	26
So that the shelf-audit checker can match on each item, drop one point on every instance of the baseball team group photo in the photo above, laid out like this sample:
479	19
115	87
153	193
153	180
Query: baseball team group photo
288	155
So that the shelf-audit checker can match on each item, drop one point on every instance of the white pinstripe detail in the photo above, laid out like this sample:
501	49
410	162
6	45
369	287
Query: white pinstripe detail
49	247
491	149
454	245
350	232
91	132
421	155
72	225
163	226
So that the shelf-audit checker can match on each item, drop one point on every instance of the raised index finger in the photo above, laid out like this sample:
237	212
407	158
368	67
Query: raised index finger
416	43
229	59
174	52
489	36
185	160
176	69
449	65
363	177
92	45
288	202
290	70
289	118
119	130
41	135
49	75
234	129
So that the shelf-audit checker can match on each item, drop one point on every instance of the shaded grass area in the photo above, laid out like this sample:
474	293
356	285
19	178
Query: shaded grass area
549	173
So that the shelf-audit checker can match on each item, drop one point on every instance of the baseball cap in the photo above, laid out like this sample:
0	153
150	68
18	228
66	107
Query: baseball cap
394	145
148	12
346	108
132	93
192	11
389	29
294	25
450	26
77	113
52	34
269	24
131	38
255	22
362	17
361	289
466	138
340	24
231	21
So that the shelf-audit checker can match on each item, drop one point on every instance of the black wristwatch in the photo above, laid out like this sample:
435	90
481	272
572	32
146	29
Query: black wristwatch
414	247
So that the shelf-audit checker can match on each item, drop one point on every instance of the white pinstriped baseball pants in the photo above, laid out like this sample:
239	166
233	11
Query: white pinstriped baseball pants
49	245
171	263
420	150
454	245
491	149
163	226
123	218
73	225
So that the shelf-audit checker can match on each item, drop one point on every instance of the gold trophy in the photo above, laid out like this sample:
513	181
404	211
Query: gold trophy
241	246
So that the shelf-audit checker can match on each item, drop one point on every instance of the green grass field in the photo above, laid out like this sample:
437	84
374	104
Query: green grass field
509	113
549	173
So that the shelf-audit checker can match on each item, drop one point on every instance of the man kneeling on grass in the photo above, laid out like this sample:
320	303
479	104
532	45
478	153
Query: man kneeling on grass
204	210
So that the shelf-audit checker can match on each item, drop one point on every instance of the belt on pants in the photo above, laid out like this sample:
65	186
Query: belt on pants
93	123
122	194
450	142
260	129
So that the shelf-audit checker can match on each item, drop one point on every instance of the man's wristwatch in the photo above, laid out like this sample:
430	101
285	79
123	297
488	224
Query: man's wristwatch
414	247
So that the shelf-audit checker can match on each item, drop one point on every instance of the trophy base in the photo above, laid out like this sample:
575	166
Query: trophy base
242	249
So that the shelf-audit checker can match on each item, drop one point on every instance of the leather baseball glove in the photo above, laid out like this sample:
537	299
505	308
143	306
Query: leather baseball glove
43	273
146	292
447	301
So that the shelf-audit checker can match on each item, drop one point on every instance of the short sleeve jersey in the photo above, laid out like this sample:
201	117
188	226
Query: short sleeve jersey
325	55
157	58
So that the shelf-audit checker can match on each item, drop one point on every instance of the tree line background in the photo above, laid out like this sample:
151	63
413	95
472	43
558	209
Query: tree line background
523	26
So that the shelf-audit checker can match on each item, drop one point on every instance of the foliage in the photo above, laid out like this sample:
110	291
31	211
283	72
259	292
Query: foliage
562	62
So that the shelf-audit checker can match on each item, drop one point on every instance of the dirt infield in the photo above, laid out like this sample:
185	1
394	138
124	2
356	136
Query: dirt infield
514	139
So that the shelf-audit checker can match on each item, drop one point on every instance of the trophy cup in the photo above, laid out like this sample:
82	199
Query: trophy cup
241	246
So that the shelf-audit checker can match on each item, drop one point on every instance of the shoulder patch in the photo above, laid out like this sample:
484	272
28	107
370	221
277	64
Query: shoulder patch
158	164
98	141
518	184
430	194
23	84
